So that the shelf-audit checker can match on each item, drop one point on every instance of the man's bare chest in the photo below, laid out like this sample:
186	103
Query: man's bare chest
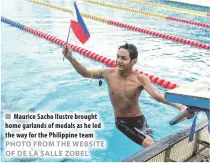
123	88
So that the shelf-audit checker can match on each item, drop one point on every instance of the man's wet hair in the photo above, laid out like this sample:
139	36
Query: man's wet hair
132	50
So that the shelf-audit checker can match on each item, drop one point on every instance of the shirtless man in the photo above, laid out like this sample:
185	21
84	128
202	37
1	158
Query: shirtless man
125	87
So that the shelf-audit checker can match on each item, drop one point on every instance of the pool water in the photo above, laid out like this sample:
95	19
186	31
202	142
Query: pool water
35	76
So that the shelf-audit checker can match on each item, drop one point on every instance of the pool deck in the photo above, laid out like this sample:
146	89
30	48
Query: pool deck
203	156
177	148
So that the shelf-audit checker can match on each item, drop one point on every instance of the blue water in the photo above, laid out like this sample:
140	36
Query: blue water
34	75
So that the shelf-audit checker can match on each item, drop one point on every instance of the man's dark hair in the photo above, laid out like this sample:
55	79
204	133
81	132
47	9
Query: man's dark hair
132	50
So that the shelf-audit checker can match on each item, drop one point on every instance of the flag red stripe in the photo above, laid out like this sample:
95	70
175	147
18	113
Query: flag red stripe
78	31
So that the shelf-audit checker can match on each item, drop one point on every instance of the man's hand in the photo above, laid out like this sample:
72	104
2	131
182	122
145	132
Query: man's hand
180	107
67	52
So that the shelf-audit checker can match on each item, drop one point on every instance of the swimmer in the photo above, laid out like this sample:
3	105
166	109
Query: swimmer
125	87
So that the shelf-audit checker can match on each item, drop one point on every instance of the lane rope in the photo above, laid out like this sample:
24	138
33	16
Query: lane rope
109	62
127	26
170	8
159	16
190	4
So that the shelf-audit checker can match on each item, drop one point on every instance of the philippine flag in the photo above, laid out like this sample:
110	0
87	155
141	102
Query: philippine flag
78	26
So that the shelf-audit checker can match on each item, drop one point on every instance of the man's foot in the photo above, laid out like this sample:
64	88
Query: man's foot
186	114
189	113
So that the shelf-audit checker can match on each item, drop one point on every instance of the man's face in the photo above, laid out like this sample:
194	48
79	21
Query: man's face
123	61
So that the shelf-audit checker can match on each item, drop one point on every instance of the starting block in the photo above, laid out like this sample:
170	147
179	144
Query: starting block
196	96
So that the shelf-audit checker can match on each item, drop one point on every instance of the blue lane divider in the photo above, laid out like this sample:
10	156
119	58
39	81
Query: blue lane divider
8	21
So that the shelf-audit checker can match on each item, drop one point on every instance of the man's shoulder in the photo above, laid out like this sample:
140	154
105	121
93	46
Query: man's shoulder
143	78
108	70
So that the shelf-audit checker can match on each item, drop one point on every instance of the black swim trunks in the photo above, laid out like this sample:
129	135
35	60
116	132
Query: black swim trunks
136	128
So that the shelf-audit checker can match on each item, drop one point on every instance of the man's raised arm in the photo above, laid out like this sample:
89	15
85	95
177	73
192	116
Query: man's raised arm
96	74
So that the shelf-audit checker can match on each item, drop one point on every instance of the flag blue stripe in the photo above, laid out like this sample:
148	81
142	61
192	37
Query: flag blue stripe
80	20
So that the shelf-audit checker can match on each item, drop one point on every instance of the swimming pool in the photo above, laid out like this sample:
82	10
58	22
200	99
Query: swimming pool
34	75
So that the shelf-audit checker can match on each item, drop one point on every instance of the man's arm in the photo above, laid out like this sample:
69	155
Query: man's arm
96	74
155	94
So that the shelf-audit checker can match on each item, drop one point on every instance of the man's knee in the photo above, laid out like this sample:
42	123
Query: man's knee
147	142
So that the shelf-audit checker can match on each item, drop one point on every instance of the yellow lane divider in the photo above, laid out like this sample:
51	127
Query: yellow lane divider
131	27
127	9
169	18
104	20
69	10
166	7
